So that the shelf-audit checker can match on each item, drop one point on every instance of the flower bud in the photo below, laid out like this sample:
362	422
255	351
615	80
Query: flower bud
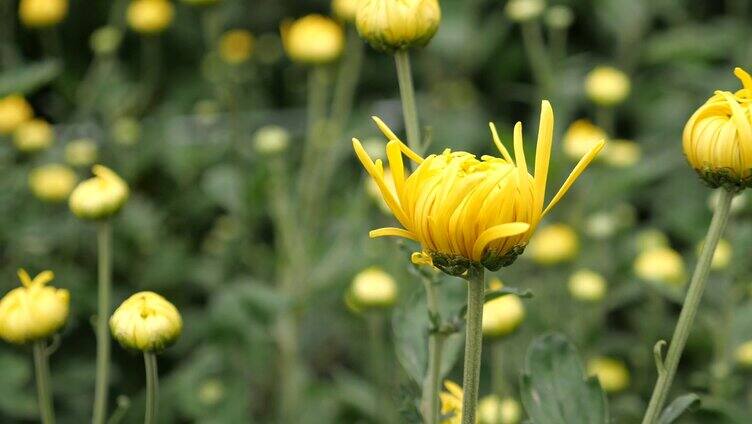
611	373
52	183
105	40
146	322
99	197
149	17
502	315
649	239
660	265
34	311
492	410
390	25
313	39
559	17
743	354
126	131
607	86
587	286
236	46
580	137
621	153
524	10
81	152
33	136
554	244
211	392
271	140
346	9
14	110
373	288
721	256
42	13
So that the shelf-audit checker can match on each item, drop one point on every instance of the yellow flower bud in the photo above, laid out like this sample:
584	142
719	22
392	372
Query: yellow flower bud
313	39
271	140
236	46
580	137
492	410
99	197
373	288
105	40
451	403
607	86
621	153
390	25
146	322
33	136
52	183
554	244
42	13
743	354
346	9
149	17
587	286
660	265
650	239
612	373
14	111
126	131
559	17
501	316
524	10
721	256
81	152
211	392
34	311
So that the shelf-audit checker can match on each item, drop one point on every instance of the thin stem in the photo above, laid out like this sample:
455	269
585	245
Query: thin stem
377	352
407	95
667	372
44	391
497	369
152	387
432	383
104	246
558	39
318	84
473	344
8	52
532	38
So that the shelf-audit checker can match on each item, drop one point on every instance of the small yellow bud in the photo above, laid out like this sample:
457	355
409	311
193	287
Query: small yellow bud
524	10
612	373
126	131
559	17
52	183
492	410
271	140
99	197
42	13
81	152
580	137
650	239
554	244
14	111
149	17
373	288
105	40
621	153
660	265
211	392
146	322
346	9
607	86
313	39
33	136
743	354
721	256
33	312
390	25
587	286
501	316
236	46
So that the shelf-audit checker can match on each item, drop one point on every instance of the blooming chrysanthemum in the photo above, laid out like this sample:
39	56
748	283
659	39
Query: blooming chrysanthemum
464	211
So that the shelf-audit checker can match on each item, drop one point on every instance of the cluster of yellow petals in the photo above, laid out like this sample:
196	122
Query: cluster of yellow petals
146	322
34	311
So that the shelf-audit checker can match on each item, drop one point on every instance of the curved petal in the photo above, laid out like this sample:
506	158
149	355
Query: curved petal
744	77
392	232
581	166
498	143
543	154
743	128
495	233
390	135
24	277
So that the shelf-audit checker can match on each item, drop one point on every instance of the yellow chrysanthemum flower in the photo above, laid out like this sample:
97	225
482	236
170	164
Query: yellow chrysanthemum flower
81	152
99	197
346	9
34	311
149	17
492	410
621	153
612	373
451	403
42	13
503	315
390	25
660	265
717	139
607	86
14	111
587	286
236	46
554	244
743	354
147	322
580	138
467	212
373	288
271	140
313	39
524	10
52	183
33	136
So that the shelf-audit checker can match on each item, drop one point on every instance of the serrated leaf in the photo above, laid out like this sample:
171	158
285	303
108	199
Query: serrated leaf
26	79
678	407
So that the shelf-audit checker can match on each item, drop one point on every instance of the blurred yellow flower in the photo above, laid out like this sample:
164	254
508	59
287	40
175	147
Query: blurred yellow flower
502	316
236	46
390	25
743	354
149	17
373	288
721	256
106	40
467	212
660	265
581	136
451	403
587	286
650	238
271	139
99	197
313	39
33	136
607	86
126	131
33	312
612	373
14	110
52	183
559	16
524	10
621	153
42	13
211	392
717	139
492	410
554	244
146	322
346	9
81	152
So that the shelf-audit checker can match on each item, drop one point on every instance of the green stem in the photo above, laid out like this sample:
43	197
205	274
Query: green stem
532	38
497	367
104	245
378	352
558	37
44	391
152	387
407	95
8	51
667	370
473	344
432	383
318	83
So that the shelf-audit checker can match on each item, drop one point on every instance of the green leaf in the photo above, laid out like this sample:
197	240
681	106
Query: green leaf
26	79
679	406
554	387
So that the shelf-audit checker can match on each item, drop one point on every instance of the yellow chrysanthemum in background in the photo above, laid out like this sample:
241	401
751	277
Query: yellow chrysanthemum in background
42	13
660	265
554	244
313	39
271	139
743	354
81	152
581	136
493	410
390	25
236	46
52	183
14	111
150	17
613	374
524	10
559	16
34	311
587	286
346	9
466	211
372	288
717	139
649	239
33	136
607	86
621	153
146	322
503	315
451	403
99	197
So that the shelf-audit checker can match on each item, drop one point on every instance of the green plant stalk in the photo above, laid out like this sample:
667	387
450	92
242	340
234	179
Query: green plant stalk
104	246
473	344
532	39
558	37
407	95
497	369
375	322
44	391
316	115
8	52
152	388
432	383
667	370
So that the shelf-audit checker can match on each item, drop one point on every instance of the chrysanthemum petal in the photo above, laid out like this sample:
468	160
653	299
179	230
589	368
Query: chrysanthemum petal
581	166
499	144
543	154
392	232
744	77
390	135
495	233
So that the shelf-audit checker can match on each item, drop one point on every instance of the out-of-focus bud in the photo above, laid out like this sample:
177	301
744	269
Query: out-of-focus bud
146	322
313	39
271	140
14	111
580	138
105	40
42	13
650	239
99	197
503	315
554	244
211	392
612	373
524	10
149	17
346	9
33	136
660	265
607	86
587	286
492	410
743	354
721	256
52	183
236	46
81	152
126	131
559	17
390	25
621	153
373	288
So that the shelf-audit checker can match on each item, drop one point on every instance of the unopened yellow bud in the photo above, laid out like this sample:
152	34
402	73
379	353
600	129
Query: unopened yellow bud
607	86
81	152
236	46
313	39
211	392
621	153
660	265
271	140
42	13
503	315
52	183
346	9
33	312
33	136
581	136
14	110
524	10
149	17
105	40
146	322
390	25
721	256
650	239
373	288
611	373
554	244
492	410
743	354
126	131
99	197
587	286
559	17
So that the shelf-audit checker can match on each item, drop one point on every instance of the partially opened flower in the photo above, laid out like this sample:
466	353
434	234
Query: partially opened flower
607	86
464	211
52	183
14	111
99	197
373	288
147	322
